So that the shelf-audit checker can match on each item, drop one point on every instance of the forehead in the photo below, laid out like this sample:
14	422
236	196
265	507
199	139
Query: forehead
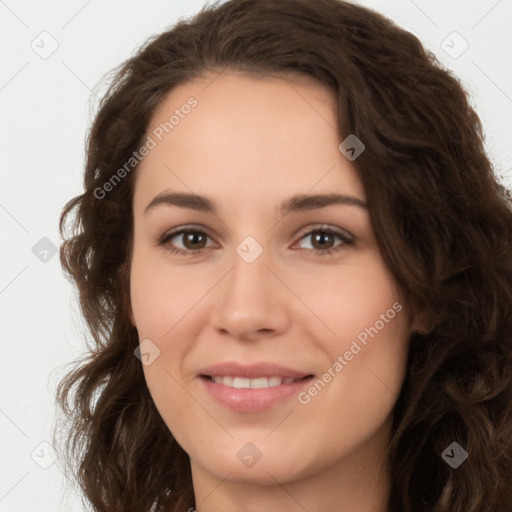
252	132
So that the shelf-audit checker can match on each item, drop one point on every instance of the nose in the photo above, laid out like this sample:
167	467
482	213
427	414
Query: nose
251	301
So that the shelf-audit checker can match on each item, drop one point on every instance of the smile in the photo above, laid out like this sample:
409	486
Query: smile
252	395
257	383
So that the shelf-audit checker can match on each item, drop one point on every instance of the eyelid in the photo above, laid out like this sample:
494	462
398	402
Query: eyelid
171	233
327	227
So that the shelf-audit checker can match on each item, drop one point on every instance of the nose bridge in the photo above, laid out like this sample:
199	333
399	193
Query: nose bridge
249	300
249	273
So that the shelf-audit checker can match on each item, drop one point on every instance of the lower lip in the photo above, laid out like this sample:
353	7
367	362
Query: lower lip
249	399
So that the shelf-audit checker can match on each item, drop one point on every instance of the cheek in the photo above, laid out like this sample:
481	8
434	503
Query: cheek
159	304
368	350
145	300
356	297
358	389
160	294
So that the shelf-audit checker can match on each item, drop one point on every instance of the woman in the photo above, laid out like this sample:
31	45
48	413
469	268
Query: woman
237	368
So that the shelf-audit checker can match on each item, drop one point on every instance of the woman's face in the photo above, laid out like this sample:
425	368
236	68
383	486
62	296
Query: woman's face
263	285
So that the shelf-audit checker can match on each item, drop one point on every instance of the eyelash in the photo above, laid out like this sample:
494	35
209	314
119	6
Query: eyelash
166	237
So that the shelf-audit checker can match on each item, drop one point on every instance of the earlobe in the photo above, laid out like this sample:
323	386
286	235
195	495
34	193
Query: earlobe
420	321
421	325
132	319
127	307
124	273
421	330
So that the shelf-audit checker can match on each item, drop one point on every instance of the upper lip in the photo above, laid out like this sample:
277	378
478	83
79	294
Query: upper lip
252	371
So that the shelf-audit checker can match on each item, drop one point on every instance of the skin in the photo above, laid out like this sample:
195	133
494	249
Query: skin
248	145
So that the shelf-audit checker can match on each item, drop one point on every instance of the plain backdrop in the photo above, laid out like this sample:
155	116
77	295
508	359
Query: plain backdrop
53	55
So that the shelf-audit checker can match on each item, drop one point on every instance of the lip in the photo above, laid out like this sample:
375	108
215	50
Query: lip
248	400
252	371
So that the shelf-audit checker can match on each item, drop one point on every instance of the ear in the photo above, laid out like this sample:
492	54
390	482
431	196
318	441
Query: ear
421	324
132	319
124	271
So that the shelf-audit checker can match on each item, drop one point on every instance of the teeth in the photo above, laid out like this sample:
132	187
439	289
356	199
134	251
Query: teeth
258	383
261	382
239	383
274	381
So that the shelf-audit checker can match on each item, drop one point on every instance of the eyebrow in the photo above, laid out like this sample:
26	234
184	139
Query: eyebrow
293	204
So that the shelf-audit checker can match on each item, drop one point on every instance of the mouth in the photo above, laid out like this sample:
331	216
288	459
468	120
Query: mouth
257	394
254	383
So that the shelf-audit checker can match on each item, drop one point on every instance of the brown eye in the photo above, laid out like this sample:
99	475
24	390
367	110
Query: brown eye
323	240
192	240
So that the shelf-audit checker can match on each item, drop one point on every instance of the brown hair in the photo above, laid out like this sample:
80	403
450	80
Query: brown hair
442	220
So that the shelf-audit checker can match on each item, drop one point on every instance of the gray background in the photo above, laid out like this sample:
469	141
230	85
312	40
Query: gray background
47	103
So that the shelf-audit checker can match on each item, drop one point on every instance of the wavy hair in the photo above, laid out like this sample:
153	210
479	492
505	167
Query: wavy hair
442	220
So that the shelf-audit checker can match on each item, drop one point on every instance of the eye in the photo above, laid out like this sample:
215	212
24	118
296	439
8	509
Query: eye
194	240
323	237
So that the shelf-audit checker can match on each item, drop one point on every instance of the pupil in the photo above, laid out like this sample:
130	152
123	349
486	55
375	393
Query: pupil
192	237
320	238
